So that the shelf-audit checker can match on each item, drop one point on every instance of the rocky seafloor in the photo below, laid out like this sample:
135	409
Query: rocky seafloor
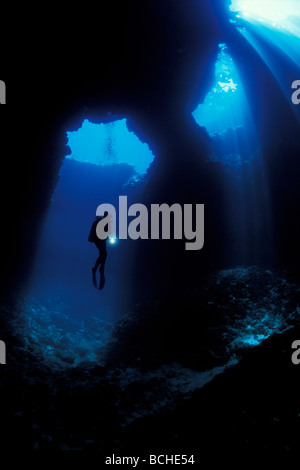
200	369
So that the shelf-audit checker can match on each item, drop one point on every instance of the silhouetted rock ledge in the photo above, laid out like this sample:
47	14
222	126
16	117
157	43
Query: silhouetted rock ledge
252	409
204	370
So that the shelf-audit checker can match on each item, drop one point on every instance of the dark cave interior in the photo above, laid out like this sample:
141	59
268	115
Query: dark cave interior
151	63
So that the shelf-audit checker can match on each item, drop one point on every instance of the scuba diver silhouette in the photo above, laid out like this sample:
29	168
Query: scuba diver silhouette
101	245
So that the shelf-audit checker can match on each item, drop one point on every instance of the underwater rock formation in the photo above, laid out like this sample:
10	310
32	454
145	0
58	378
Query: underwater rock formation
203	325
205	368
48	331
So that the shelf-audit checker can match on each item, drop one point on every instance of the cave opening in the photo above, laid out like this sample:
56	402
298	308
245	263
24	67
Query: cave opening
227	116
107	160
64	312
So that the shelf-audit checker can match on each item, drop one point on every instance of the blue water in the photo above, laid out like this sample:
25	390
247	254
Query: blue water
104	159
273	30
226	114
109	144
65	257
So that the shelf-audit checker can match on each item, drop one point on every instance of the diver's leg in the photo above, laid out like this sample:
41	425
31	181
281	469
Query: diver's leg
94	269
99	259
97	264
101	269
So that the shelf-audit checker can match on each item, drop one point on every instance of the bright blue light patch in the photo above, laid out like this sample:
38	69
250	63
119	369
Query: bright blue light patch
109	144
273	30
252	340
276	22
280	15
226	105
227	116
112	241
